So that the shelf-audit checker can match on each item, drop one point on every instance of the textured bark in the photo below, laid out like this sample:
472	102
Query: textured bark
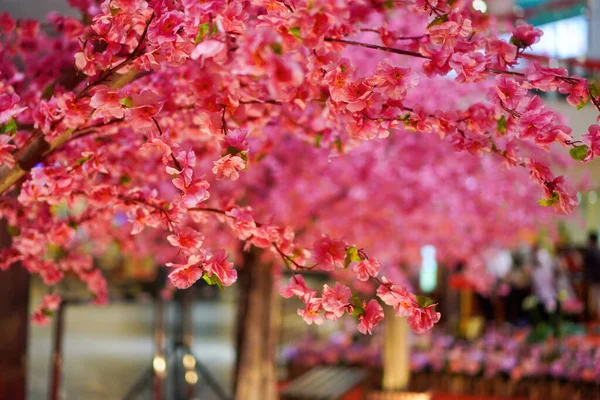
396	353
14	320
256	335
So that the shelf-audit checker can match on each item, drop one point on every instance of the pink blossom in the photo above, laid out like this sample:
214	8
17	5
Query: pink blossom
187	239
335	300
236	138
106	104
185	275
50	273
371	318
338	78
469	67
9	106
6	157
398	297
393	81
423	319
160	145
329	252
227	167
51	302
366	269
527	35
194	193
311	313
593	139
503	53
166	28
244	223
578	94
186	160
219	265
297	287
209	49
507	91
75	112
448	33
544	78
40	318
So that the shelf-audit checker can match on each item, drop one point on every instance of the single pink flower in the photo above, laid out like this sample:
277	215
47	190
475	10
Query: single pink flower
423	319
6	157
371	318
297	287
227	167
312	312
166	28
393	81
329	253
219	265
527	35
185	275
106	104
187	239
366	269
335	300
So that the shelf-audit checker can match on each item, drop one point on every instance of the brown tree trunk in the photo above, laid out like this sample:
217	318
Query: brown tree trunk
255	377
396	353
14	320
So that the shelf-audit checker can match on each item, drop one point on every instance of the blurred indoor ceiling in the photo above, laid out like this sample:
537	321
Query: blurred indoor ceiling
537	12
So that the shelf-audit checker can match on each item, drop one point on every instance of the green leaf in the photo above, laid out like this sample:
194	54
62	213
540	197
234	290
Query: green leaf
125	180
277	49
318	139
579	152
13	230
82	160
202	31
49	90
389	4
516	41
338	143
438	20
358	308
295	31
549	202
594	89
47	312
9	127
213	280
114	11
582	104
425	301
55	252
127	102
501	124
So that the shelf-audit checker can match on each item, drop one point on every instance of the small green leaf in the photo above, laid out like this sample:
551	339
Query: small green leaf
549	202
351	255
277	49
9	127
82	160
295	31
438	20
127	102
55	252
213	280
49	90
202	31
424	301
594	89
13	230
583	104
502	124
517	42
338	143
47	312
579	152
318	139
125	180
114	11
358	308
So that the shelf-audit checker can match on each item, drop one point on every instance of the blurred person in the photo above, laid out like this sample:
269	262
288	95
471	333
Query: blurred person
543	278
591	263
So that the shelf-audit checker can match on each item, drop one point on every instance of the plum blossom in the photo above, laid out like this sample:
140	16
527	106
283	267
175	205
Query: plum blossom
165	29
329	252
593	140
106	104
335	300
194	193
372	316
185	275
297	287
312	312
393	81
422	319
6	157
527	35
187	239
469	67
219	265
398	297
227	167
236	138
366	269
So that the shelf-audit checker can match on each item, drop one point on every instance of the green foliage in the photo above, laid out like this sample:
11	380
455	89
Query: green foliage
549	202
440	19
424	301
579	152
295	31
358	308
13	230
82	160
502	125
202	32
9	127
318	139
127	102
125	180
277	49
351	255
213	280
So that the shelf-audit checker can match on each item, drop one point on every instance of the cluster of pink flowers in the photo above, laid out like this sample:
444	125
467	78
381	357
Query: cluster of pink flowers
154	114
